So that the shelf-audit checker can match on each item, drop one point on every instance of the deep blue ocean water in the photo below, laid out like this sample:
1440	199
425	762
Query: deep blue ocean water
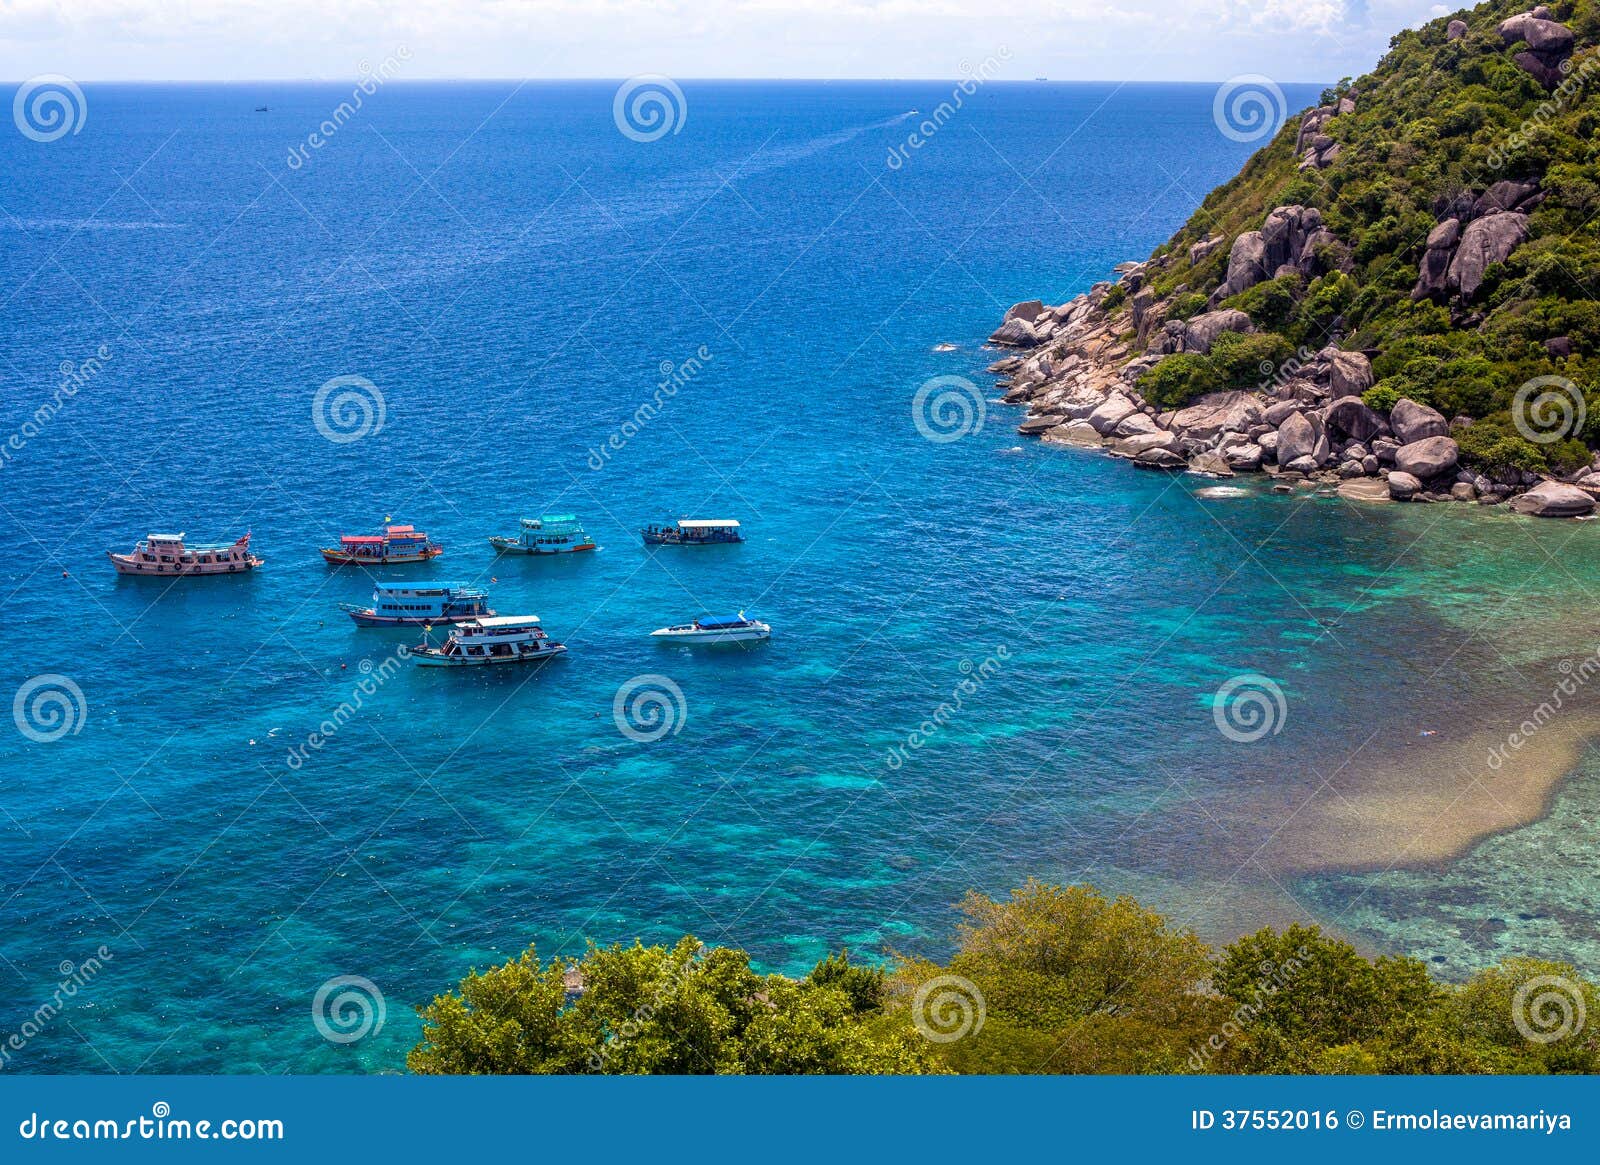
515	277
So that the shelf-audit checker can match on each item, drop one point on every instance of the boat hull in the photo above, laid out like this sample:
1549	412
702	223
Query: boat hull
434	657
367	617
342	558
124	565
512	546
739	635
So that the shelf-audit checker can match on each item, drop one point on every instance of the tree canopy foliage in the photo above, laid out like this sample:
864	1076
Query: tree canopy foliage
1049	979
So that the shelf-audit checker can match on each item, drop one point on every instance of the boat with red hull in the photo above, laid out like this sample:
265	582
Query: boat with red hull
397	545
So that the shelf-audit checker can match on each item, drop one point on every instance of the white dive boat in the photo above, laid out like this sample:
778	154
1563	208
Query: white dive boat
718	629
504	639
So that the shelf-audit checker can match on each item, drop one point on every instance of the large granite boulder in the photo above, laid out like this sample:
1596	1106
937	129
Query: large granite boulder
1015	333
1160	459
1116	409
1349	373
1201	332
1133	446
1243	457
1028	309
1403	486
1301	436
1248	265
1433	278
1282	241
1484	241
1427	458
1416	422
1217	412
1552	499
1455	30
1350	417
1134	424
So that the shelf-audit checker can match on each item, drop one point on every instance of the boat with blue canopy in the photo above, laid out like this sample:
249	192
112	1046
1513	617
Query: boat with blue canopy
714	629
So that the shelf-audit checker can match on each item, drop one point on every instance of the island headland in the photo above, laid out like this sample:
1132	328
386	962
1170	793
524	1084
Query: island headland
1393	298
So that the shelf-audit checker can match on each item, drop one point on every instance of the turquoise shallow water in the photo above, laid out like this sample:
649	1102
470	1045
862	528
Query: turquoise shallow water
513	275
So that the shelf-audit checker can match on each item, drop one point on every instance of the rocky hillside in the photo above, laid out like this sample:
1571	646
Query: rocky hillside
1396	294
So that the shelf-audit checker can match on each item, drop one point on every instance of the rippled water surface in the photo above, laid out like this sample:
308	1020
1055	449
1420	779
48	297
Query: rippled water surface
991	659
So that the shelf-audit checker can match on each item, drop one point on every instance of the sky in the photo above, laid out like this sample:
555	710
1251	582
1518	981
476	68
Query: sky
1135	40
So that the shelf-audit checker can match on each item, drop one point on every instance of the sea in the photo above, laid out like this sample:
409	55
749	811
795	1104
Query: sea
239	834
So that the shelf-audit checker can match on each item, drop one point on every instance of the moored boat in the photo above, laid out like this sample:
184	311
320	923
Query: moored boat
549	534
692	532
480	642
395	546
714	629
419	604
167	554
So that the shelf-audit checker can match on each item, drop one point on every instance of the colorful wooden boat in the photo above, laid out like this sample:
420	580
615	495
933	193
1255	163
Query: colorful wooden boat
397	545
167	554
550	534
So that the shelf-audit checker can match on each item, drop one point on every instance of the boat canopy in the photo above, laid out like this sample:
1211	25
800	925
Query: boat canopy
166	537
717	621
361	539
424	588
402	530
508	621
707	524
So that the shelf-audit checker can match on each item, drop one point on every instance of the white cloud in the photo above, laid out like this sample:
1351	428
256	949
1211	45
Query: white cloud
1131	40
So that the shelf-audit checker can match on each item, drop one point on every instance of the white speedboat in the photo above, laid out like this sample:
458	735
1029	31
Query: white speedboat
718	629
504	639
